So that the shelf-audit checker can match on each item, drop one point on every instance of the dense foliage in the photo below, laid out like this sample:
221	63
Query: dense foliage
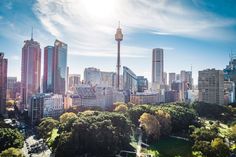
94	133
46	126
210	142
101	133
10	138
213	111
151	125
12	152
181	117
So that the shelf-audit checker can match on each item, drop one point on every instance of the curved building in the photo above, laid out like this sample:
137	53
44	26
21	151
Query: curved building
129	80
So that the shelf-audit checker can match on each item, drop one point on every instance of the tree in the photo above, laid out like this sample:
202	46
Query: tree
204	147
214	111
46	126
232	135
10	138
66	116
204	134
220	148
95	134
181	116
135	112
165	122
12	152
150	124
121	108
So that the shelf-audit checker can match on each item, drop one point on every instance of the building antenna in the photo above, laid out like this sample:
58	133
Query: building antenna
32	33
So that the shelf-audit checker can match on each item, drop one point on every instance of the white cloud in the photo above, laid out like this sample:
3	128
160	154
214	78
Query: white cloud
89	25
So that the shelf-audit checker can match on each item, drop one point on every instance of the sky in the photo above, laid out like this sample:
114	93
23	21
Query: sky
193	33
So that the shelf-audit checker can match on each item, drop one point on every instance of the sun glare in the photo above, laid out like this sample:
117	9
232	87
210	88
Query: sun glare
99	8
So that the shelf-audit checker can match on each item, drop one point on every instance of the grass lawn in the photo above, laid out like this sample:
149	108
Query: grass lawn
170	147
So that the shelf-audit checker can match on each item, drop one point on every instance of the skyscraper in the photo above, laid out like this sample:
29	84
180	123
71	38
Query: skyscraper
3	83
142	83
211	86
118	38
11	82
130	80
230	70
172	78
48	73
130	84
157	66
60	67
165	78
92	76
30	71
108	79
186	78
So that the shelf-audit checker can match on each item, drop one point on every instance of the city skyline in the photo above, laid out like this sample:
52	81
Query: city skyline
208	30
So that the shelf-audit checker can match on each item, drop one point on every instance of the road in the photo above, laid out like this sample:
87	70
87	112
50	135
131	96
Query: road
35	148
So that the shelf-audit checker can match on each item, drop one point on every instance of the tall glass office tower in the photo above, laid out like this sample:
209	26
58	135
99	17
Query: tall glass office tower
30	71
3	83
60	67
48	75
157	66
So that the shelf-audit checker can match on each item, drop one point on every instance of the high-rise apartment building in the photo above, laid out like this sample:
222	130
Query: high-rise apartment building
157	66
48	73
60	67
30	71
211	86
3	83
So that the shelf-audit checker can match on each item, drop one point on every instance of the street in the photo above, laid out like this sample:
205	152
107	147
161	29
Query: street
35	148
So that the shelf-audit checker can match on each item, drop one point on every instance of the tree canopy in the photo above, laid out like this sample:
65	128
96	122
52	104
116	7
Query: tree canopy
95	133
150	124
12	152
46	126
10	138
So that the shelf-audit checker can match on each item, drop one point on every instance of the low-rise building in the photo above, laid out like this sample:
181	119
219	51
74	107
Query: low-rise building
45	105
171	96
53	105
145	98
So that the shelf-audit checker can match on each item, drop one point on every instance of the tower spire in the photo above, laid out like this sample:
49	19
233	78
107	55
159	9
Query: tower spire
118	38
32	33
